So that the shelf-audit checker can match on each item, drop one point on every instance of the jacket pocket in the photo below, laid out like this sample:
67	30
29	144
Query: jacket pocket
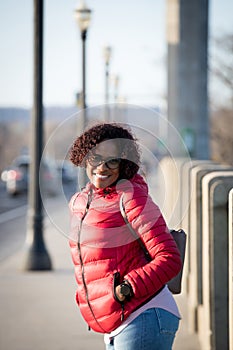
116	282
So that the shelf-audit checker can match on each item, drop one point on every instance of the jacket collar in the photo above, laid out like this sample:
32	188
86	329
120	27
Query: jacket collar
119	186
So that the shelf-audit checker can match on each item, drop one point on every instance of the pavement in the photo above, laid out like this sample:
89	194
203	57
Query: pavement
38	309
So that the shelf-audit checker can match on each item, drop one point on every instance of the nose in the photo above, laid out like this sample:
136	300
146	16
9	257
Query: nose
102	166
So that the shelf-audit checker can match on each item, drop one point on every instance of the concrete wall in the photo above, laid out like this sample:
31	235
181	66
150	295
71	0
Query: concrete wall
203	192
187	195
195	233
213	313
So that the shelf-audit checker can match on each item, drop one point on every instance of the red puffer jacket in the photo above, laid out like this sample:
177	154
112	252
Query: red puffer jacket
105	253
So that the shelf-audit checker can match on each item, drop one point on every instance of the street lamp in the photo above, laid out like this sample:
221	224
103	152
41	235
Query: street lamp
116	87
107	55
83	18
36	257
115	80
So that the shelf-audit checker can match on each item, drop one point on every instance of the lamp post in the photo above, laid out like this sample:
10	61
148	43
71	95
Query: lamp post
116	87
107	56
115	80
83	18
37	257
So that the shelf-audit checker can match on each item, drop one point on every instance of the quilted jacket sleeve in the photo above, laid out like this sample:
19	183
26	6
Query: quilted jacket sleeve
146	218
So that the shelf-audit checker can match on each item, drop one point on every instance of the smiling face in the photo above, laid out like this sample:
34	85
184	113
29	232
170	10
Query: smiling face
103	174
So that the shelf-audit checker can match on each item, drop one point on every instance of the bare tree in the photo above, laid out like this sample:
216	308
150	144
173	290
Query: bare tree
221	121
221	62
221	140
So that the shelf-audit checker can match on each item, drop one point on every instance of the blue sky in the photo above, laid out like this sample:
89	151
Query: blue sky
135	29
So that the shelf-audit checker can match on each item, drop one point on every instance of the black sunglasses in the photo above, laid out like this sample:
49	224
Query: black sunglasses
96	160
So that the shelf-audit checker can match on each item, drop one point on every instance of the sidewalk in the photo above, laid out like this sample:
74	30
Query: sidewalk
38	309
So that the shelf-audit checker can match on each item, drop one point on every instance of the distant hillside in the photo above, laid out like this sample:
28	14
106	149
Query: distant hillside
59	113
134	115
9	115
13	114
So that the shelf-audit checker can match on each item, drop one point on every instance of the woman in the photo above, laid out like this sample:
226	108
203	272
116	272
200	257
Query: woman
120	293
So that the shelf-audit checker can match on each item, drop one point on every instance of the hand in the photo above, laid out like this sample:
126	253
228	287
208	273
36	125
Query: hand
120	296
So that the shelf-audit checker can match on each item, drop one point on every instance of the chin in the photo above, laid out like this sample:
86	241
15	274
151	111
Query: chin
102	184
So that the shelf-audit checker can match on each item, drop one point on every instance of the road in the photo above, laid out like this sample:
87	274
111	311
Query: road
13	217
10	202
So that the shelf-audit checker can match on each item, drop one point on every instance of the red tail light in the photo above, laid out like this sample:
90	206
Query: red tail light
14	175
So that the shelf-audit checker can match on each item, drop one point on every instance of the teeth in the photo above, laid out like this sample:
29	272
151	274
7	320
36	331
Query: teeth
102	177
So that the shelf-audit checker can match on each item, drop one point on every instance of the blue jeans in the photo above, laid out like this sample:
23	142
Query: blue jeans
154	329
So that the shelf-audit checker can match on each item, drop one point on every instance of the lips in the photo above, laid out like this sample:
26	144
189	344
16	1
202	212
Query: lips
101	177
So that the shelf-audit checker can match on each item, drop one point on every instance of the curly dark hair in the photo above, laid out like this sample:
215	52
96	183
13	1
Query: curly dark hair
125	141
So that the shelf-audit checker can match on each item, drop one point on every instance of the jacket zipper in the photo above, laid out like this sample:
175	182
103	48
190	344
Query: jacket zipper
81	260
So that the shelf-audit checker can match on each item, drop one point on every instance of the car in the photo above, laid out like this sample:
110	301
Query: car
67	171
16	177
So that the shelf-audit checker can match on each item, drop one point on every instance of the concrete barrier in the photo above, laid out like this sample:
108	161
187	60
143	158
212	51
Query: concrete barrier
187	190
187	194
213	314
195	233
175	177
231	269
197	196
170	189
